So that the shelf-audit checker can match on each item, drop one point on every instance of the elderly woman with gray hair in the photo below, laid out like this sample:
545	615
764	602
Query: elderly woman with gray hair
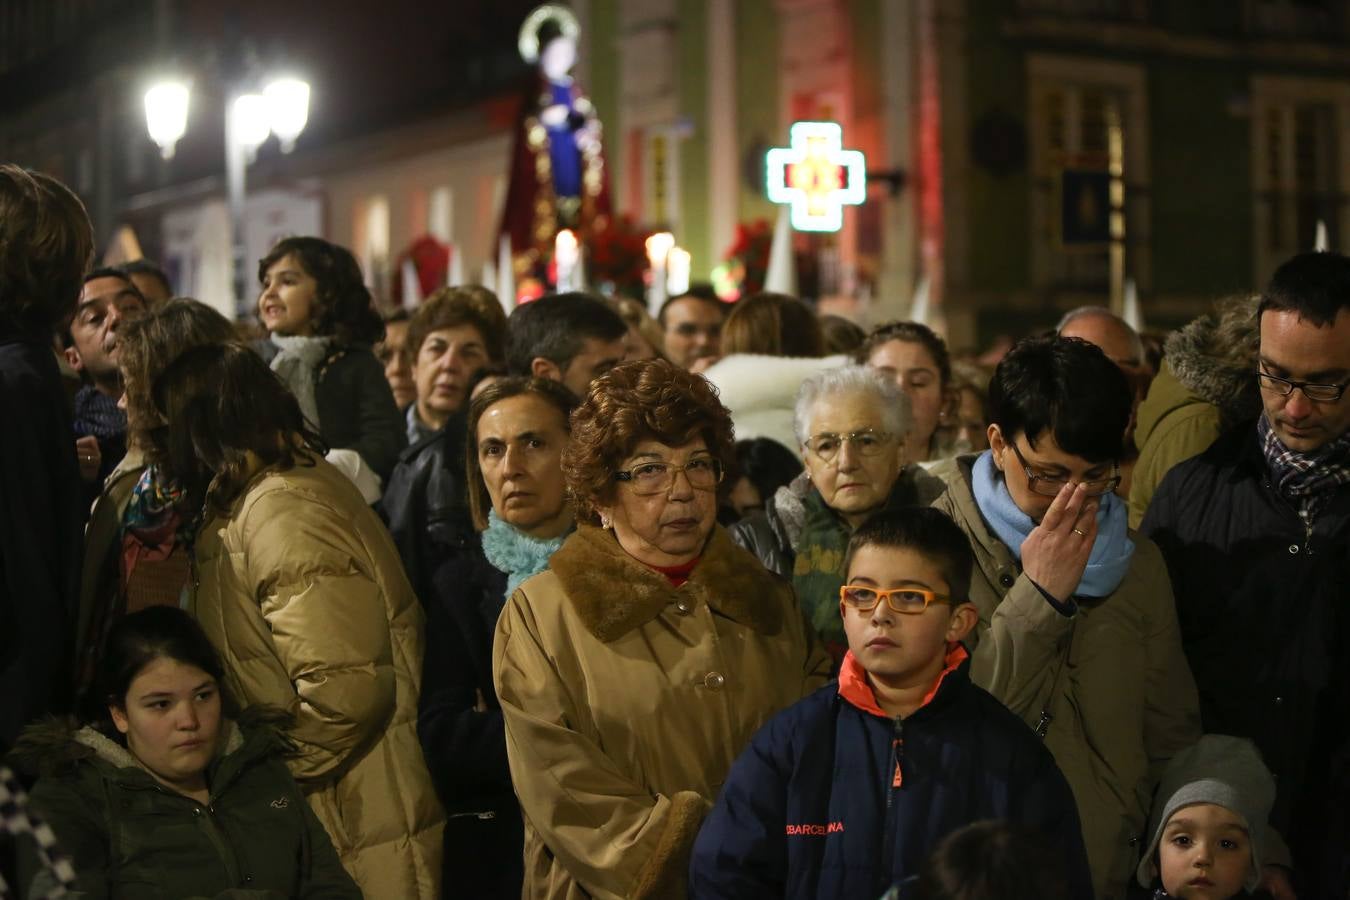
851	425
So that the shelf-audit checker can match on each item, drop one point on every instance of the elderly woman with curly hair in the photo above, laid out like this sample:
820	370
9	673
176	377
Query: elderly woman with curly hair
634	670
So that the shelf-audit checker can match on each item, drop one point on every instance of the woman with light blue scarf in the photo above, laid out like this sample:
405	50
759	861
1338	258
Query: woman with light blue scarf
1078	630
517	428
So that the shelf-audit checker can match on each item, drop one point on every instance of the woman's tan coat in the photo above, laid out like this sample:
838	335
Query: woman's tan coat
1111	678
626	701
303	593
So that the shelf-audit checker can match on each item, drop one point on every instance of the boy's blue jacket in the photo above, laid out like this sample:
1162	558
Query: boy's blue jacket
833	798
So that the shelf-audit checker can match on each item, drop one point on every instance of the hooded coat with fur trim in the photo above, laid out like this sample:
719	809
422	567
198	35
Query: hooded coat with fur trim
1205	387
129	836
301	590
627	699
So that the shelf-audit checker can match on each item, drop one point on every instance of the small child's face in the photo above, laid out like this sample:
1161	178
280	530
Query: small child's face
1205	853
905	649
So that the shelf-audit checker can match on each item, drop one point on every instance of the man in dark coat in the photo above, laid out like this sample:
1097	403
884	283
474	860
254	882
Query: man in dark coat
1256	534
45	245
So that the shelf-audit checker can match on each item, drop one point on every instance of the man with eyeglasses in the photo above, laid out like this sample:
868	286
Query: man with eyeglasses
1256	533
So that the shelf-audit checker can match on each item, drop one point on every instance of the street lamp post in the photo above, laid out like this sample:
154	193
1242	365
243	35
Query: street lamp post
282	109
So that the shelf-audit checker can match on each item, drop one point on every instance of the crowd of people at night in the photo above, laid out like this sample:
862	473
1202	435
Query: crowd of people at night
733	601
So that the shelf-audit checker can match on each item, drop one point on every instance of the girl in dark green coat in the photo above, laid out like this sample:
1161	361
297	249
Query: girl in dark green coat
170	799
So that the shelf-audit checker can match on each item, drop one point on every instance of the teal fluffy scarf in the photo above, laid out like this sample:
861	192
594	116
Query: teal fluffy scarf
515	553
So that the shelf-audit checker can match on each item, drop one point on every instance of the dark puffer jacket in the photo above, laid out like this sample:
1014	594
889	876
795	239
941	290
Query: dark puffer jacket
835	799
131	837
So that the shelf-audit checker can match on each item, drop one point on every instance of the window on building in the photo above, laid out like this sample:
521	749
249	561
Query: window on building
1301	167
1296	18
1089	211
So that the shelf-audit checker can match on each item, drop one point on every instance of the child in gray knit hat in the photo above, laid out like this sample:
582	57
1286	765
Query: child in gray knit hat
1208	825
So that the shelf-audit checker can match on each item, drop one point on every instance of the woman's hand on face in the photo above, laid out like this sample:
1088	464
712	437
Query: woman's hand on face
1056	552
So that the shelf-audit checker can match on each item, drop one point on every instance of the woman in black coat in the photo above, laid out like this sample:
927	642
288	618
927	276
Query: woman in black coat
517	428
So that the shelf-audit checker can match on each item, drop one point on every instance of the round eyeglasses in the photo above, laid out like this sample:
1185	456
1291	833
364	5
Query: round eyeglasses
867	442
704	474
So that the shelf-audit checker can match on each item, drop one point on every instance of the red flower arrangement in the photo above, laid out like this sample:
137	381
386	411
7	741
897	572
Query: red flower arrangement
616	255
749	254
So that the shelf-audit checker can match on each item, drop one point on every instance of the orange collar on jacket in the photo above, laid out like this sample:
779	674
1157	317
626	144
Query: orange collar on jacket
854	688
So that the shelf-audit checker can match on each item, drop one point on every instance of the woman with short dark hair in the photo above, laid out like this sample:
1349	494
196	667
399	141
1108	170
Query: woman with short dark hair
318	311
1078	632
634	670
128	797
299	585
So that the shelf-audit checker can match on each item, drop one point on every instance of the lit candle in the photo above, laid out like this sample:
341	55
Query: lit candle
658	248
565	256
678	262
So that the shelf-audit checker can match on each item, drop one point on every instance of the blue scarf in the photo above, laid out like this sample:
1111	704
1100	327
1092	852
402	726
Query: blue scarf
1111	552
515	553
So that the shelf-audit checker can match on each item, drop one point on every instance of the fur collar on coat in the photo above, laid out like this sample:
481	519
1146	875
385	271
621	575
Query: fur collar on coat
1215	355
613	593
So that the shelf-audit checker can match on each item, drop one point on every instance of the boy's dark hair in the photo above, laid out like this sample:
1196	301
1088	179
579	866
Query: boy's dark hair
146	267
928	532
556	327
343	307
909	333
993	861
1316	286
1065	387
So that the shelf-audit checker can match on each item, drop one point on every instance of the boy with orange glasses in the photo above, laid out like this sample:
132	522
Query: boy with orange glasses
849	790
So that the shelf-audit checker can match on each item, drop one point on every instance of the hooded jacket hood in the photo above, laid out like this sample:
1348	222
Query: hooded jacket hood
1214	357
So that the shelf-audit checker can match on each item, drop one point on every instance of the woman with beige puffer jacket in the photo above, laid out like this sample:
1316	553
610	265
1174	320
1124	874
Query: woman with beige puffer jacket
298	585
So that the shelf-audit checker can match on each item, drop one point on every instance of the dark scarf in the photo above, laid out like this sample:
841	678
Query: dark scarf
97	414
1308	480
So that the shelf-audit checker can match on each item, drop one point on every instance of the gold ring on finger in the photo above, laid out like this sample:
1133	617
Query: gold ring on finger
1080	533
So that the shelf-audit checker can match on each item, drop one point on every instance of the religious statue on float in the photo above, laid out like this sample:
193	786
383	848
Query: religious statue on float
558	177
